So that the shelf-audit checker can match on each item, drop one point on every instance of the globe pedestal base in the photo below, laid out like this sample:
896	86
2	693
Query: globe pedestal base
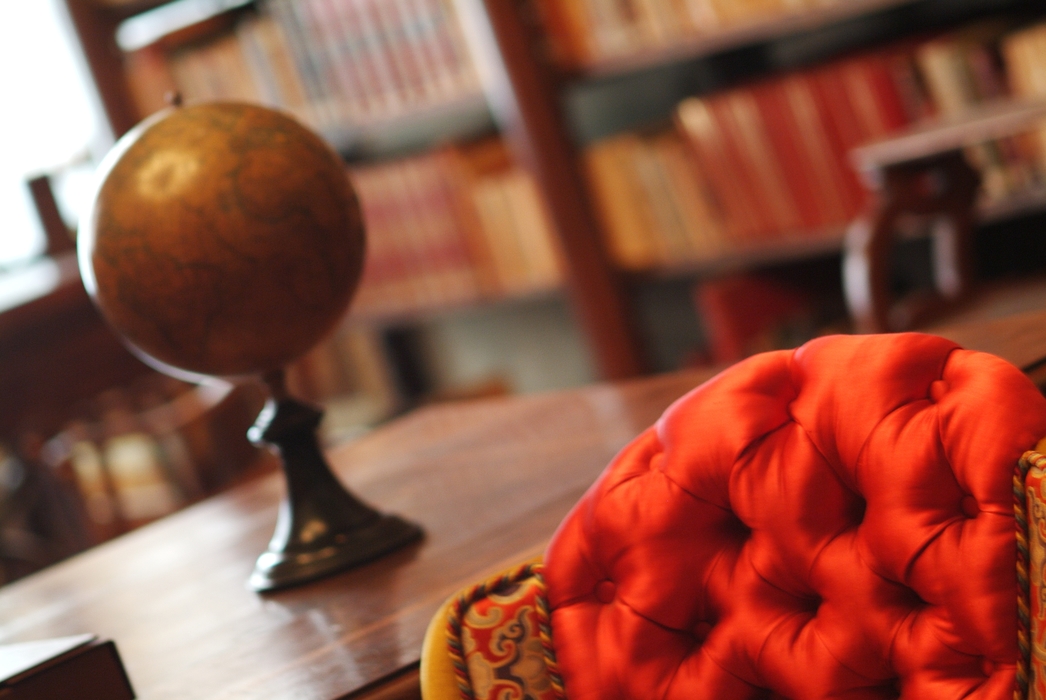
321	528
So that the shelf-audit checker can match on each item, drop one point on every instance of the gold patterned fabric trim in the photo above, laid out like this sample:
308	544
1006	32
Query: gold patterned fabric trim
460	633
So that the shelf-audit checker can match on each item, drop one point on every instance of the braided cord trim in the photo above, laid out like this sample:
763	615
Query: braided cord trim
1020	511
456	616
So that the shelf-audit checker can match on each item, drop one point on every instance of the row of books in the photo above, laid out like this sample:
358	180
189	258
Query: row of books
332	63
453	226
771	160
653	204
963	69
588	31
1025	54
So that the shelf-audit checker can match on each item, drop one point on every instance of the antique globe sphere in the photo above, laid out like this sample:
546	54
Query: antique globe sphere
223	239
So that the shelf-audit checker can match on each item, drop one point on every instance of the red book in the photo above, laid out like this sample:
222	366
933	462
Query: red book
844	130
891	103
785	133
719	165
828	170
764	185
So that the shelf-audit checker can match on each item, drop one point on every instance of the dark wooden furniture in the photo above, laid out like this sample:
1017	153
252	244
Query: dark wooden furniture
59	362
489	481
923	172
55	349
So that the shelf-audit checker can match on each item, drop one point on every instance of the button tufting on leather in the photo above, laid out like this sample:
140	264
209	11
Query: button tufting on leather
969	506
857	512
605	591
799	535
937	390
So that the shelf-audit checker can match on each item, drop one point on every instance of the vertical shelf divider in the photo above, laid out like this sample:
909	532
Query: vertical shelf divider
524	98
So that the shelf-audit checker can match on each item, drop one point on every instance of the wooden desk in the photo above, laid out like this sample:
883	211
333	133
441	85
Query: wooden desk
488	480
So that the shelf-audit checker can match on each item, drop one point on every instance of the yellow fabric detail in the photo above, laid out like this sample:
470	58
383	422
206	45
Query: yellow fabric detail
437	672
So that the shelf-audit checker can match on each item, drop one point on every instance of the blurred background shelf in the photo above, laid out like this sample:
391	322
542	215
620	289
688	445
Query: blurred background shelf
721	39
564	190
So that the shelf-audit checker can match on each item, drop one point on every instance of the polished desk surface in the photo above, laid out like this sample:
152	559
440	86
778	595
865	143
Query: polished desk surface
488	480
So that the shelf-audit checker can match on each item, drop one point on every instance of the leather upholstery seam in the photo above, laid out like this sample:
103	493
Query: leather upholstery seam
871	433
762	684
910	564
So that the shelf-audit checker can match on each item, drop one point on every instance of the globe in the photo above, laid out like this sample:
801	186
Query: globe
223	239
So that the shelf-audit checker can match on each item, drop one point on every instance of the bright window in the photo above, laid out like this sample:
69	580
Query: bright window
46	118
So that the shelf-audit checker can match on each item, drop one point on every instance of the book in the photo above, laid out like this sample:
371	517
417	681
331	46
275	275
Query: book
80	666
449	227
335	64
1024	53
654	206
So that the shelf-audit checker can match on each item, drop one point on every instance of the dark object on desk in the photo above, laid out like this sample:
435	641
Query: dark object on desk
225	239
922	172
70	667
321	527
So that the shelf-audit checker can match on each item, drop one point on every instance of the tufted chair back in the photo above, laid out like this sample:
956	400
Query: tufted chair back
831	522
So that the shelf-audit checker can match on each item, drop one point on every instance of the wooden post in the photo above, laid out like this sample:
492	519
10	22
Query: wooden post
525	99
59	239
95	29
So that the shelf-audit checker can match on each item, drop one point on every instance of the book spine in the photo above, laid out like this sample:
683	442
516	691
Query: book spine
422	59
288	14
767	189
689	191
785	136
535	230
826	172
619	202
716	160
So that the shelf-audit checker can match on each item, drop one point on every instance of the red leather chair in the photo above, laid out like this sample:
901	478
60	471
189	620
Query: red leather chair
831	522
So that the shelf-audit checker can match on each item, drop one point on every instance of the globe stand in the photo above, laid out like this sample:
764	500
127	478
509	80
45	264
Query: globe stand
321	528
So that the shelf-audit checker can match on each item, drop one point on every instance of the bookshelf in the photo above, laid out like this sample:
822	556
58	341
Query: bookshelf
550	105
720	39
557	108
436	187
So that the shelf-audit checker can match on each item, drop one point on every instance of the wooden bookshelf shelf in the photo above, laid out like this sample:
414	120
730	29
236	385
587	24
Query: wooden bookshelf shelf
754	254
806	245
384	319
154	21
421	129
727	38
